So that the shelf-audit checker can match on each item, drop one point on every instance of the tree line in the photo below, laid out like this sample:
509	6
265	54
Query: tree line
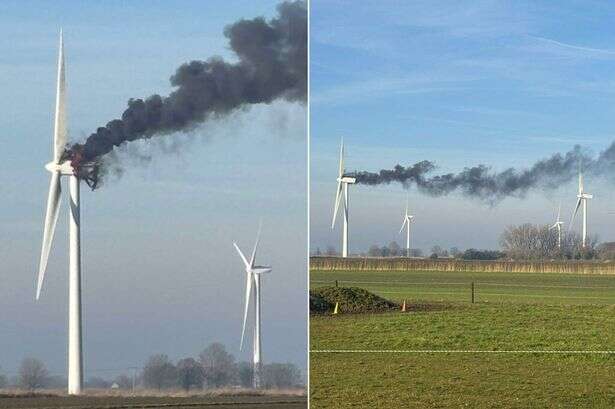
213	368
393	249
517	242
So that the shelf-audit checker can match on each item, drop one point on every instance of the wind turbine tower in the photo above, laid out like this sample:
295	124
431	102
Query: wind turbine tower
253	289
408	218
558	225
58	168
582	198
342	193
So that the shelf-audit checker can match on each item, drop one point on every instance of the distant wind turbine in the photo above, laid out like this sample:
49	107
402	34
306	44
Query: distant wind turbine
558	225
58	168
408	218
253	288
342	190
582	198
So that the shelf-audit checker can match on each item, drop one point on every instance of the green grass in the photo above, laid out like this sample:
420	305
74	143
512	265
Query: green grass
444	380
490	287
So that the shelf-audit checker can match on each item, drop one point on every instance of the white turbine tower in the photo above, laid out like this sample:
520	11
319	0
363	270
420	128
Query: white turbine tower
408	218
59	168
558	225
342	190
582	198
253	288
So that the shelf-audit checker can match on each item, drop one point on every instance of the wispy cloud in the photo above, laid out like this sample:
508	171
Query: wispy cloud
547	45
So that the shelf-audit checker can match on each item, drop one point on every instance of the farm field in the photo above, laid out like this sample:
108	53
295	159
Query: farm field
111	402
513	312
548	288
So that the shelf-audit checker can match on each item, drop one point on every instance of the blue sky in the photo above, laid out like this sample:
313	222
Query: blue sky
160	272
459	83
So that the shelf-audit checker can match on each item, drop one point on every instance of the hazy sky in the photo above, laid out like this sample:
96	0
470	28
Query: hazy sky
160	274
501	83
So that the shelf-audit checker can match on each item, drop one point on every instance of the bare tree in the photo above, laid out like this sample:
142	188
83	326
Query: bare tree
533	242
416	253
159	372
606	251
32	374
281	375
330	251
529	242
97	382
190	373
394	249
123	381
219	365
245	374
374	251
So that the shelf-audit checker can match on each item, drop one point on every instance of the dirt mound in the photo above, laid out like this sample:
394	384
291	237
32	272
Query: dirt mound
350	299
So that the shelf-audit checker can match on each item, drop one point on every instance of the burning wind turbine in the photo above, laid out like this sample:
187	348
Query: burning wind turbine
582	198
271	65
253	289
342	195
60	166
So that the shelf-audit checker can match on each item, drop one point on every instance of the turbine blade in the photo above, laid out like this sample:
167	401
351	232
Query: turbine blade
576	209
59	133
246	308
338	196
51	219
245	261
403	224
559	210
258	235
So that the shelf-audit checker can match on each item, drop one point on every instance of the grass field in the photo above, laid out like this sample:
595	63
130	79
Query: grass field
489	287
113	402
513	312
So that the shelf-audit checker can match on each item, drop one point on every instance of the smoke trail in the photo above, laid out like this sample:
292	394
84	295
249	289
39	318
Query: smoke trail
483	183
272	65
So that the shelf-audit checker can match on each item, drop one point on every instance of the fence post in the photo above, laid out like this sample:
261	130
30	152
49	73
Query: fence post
336	283
472	292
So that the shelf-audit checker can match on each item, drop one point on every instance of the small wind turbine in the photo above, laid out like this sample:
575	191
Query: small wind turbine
408	218
342	188
582	198
58	168
253	287
558	225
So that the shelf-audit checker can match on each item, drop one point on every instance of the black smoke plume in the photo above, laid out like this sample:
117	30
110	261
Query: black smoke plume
482	183
272	64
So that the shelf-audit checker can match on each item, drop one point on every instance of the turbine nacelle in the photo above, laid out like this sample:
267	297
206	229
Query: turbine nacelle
64	168
585	196
347	179
261	270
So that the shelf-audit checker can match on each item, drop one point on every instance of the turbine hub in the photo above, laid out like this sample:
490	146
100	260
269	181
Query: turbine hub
65	168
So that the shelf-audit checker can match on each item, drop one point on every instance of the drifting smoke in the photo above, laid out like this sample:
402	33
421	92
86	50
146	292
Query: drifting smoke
484	184
272	65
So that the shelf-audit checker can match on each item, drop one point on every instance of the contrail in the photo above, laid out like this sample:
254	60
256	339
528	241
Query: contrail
483	183
272	64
